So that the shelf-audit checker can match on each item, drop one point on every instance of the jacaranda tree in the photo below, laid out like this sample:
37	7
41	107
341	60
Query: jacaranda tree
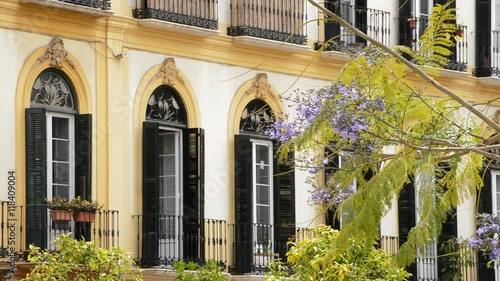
391	132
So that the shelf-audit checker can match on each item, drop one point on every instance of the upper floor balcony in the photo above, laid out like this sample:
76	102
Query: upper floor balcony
487	54
279	20
92	7
195	13
375	23
411	28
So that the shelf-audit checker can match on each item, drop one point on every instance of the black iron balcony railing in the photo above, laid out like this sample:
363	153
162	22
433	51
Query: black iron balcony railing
410	30
16	230
253	254
487	54
375	23
280	20
198	13
96	4
174	238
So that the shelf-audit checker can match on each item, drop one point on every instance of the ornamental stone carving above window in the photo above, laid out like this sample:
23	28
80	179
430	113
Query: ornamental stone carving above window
166	105
256	118
52	89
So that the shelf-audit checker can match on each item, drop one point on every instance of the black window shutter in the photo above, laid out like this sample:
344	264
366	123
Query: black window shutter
483	39
150	190
194	194
332	28
361	18
83	166
83	156
407	216
36	177
405	32
485	205
485	202
449	230
334	164
243	203
284	205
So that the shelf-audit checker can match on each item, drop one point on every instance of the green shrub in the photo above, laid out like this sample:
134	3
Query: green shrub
81	260
191	271
312	259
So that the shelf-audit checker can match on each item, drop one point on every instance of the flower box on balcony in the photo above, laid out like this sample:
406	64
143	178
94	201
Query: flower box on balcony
84	217
60	215
60	209
83	210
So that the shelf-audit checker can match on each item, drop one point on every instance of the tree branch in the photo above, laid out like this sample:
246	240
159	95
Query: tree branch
410	65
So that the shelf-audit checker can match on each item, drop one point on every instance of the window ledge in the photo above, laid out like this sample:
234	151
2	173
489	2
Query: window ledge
70	7
336	56
181	28
454	74
492	81
267	43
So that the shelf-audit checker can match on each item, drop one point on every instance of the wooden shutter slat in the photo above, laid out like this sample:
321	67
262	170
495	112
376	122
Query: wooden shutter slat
243	203
150	194
194	193
36	177
284	204
83	166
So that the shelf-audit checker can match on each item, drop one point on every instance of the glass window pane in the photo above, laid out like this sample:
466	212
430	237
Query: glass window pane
167	143
167	186
424	7
262	174
60	190
60	150
263	213
262	154
264	233
263	195
60	173
60	128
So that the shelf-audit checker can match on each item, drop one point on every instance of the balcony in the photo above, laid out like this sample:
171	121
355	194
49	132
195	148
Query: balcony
278	20
197	16
18	232
410	30
375	23
488	54
92	7
166	239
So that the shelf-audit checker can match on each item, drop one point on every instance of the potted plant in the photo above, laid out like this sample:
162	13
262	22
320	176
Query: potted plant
459	31
412	22
81	260
60	209
83	210
265	244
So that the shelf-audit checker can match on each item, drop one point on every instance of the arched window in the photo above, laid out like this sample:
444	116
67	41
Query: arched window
264	192
173	182
58	155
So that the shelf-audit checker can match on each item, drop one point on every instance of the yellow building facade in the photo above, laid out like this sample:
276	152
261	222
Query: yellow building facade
190	73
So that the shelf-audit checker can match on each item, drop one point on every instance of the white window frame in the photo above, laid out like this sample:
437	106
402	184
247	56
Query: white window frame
52	231
343	155
417	13
174	245
258	247
50	160
427	262
495	191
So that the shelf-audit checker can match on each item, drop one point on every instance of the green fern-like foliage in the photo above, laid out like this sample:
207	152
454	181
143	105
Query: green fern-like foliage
424	135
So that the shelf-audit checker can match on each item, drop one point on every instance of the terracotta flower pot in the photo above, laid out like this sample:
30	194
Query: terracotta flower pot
459	32
60	215
83	217
412	23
